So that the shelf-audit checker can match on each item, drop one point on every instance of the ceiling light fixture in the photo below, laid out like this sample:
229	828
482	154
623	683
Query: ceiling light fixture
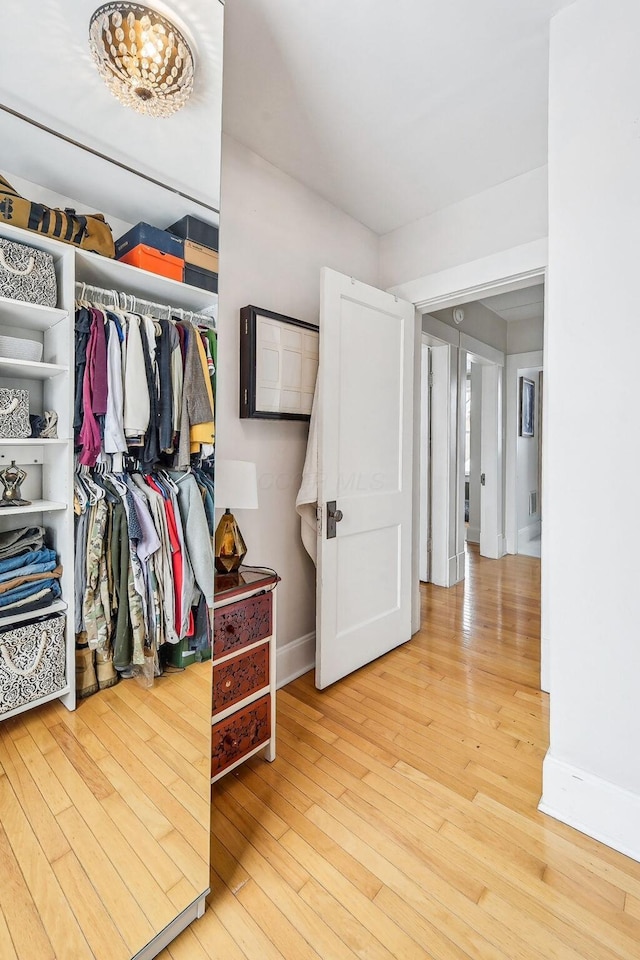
143	57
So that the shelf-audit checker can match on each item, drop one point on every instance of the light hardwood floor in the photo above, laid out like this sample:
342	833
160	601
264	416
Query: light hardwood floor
104	819
399	819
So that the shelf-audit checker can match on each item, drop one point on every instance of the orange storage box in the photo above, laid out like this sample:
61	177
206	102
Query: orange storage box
155	261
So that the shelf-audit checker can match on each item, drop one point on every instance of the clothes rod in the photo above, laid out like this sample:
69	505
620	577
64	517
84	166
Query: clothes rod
132	304
103	156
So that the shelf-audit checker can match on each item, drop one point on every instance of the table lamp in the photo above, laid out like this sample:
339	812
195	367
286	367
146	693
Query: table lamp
235	484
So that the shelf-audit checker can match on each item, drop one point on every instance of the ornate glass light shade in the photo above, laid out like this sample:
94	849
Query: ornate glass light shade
230	548
143	57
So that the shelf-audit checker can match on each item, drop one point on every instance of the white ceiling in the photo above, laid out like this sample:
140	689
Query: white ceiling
46	73
390	110
527	304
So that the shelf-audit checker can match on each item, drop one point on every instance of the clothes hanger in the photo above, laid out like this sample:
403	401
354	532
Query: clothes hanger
81	491
95	492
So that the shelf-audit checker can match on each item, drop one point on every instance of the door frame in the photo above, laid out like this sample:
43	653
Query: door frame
445	568
512	269
450	349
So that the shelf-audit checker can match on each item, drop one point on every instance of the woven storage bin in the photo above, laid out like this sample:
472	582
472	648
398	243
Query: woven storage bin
32	661
15	348
14	414
27	274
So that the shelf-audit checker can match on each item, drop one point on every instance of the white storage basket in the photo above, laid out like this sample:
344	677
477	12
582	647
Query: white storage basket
15	348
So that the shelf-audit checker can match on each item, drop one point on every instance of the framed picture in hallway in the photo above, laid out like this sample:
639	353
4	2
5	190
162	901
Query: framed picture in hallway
527	407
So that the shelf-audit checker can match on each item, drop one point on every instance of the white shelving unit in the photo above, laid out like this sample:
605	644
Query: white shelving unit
30	316
49	463
31	442
30	369
36	506
115	275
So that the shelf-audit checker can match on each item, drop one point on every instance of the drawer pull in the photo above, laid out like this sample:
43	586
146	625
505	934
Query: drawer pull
230	628
227	684
230	741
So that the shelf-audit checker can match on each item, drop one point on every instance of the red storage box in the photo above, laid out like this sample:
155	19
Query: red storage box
155	261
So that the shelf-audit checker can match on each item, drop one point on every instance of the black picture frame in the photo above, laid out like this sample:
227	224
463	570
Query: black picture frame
527	407
253	321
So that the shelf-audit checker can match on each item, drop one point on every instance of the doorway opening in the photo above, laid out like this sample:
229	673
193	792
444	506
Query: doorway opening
493	489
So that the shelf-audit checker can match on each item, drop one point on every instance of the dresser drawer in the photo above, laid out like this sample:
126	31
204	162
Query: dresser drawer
240	733
239	624
239	677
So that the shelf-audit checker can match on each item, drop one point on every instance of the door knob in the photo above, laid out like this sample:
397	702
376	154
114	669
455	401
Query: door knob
482	480
333	516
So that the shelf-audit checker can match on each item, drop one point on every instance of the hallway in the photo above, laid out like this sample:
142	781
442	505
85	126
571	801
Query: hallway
399	819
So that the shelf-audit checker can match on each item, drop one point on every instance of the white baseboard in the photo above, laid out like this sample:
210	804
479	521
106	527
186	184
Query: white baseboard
530	532
600	809
473	534
295	658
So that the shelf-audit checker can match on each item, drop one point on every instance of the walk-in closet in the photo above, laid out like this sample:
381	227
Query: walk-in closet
107	453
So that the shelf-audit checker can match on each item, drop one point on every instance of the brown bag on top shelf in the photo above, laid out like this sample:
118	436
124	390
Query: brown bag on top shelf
89	231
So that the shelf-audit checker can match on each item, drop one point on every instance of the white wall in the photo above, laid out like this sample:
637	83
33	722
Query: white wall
527	468
508	215
275	235
525	336
591	453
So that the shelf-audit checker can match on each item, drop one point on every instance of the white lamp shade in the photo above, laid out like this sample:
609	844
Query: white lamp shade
236	485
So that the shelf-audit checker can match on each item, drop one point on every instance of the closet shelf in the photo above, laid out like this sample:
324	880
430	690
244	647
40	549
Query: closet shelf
31	316
115	275
33	442
36	506
58	606
30	369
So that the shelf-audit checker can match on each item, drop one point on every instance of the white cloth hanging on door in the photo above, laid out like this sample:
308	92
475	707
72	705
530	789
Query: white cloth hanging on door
307	498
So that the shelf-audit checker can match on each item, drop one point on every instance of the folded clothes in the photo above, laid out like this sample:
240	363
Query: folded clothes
18	581
13	542
37	601
26	558
43	567
27	590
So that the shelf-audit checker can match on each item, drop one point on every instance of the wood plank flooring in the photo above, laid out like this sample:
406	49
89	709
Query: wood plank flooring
104	819
399	819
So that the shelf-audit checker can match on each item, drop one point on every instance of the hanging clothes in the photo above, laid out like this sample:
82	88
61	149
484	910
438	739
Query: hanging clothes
143	387
144	408
146	559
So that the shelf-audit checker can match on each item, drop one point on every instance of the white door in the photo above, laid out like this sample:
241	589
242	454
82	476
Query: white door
365	467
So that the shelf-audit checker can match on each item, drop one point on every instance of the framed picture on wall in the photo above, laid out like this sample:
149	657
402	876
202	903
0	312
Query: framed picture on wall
527	407
278	365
